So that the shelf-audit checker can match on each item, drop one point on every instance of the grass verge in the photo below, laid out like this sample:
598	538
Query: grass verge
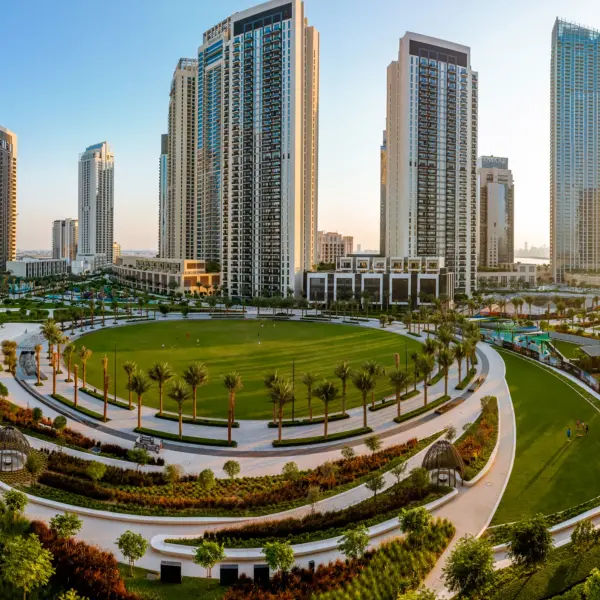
422	410
320	439
303	422
186	438
100	397
78	408
198	421
466	380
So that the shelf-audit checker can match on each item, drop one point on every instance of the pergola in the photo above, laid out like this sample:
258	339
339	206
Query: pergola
443	461
14	449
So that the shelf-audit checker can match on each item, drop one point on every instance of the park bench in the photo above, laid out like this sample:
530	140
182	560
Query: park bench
449	406
476	384
147	443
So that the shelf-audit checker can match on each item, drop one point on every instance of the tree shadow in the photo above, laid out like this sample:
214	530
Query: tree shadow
559	452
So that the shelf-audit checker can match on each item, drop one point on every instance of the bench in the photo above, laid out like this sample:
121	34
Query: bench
148	443
477	384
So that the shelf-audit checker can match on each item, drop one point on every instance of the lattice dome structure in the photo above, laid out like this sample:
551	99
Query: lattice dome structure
14	449
443	463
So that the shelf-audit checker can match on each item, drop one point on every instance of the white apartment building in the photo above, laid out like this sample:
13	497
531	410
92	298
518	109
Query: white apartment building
116	251
431	156
8	197
332	245
257	178
32	268
64	238
508	276
496	201
96	205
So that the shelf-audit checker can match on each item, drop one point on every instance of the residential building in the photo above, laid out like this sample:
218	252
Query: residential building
508	276
163	195
64	238
496	211
574	156
96	206
33	268
431	156
332	245
382	196
387	281
8	196
163	275
258	102
116	251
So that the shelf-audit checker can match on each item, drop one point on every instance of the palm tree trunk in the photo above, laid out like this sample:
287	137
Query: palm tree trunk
54	374
180	423
130	392
425	394
194	389
398	399
69	369
344	397
326	418
229	423
310	407
364	410
280	420
83	375
105	416
160	399
459	371
445	382
38	369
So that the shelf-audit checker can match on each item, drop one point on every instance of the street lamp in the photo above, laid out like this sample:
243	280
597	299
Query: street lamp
115	382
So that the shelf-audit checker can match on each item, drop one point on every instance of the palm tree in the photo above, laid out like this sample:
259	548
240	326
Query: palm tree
376	370
195	375
84	355
269	379
102	307
364	382
426	364
50	332
445	336
179	393
139	385
130	367
233	382
400	380
459	355
75	379
68	352
92	305
414	356
161	373
529	301
309	379
60	340
281	393
38	351
326	392
445	360
115	307
105	387
343	373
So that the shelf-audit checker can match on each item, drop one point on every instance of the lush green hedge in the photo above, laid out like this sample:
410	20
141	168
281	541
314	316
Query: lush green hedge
332	437
422	409
417	335
437	377
303	422
198	421
98	396
465	382
392	401
78	408
186	438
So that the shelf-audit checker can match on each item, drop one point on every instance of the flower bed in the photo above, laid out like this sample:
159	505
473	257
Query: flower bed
477	443
303	422
198	421
186	438
405	564
320	439
110	401
81	409
422	409
466	380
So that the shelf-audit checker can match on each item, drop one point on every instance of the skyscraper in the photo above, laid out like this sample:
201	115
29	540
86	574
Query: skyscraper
383	197
574	149
163	195
64	239
496	211
257	177
431	134
181	158
96	205
8	197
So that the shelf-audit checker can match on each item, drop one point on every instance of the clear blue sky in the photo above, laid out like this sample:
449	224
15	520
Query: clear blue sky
76	73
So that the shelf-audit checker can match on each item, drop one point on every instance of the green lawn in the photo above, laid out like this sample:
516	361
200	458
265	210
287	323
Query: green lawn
191	588
550	473
233	345
567	349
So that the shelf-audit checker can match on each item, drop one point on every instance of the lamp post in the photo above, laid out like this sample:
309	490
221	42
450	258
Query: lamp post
293	388
115	382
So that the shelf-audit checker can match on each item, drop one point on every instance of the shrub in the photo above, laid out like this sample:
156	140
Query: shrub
530	541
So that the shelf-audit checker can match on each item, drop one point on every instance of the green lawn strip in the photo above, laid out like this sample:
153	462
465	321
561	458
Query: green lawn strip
304	422
78	408
465	382
198	421
332	437
492	417
392	401
563	569
567	349
422	409
437	377
417	335
550	473
98	396
191	588
186	438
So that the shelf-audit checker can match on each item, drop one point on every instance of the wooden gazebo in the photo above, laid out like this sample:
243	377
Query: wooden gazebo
443	462
14	449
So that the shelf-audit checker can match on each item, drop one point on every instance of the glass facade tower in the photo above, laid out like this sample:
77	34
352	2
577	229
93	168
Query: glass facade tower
574	149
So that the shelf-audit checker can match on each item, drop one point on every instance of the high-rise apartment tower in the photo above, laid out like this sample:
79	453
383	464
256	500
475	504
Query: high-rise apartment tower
163	195
496	212
64	239
383	196
574	149
431	134
8	197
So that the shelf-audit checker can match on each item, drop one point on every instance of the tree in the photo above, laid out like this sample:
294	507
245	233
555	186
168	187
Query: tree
84	355
269	380
206	479
68	352
95	471
373	443
161	373
195	375
59	423
375	483
290	471
364	382
180	394
66	526
139	456
399	470
584	536
400	380
459	355
421	594
591	586
34	465
232	468
445	360
38	351
313	496
208	554
130	367
37	414
309	379
327	392
375	369
233	383
279	556
450	433
354	542
348	452
139	384
25	563
71	595
105	387
343	373
530	542
425	366
469	570
15	502
172	474
415	523
132	546
419	479
281	393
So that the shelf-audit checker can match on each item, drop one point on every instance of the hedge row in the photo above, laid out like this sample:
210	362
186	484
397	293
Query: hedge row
110	401
423	409
315	421
81	409
321	439
186	438
197	421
